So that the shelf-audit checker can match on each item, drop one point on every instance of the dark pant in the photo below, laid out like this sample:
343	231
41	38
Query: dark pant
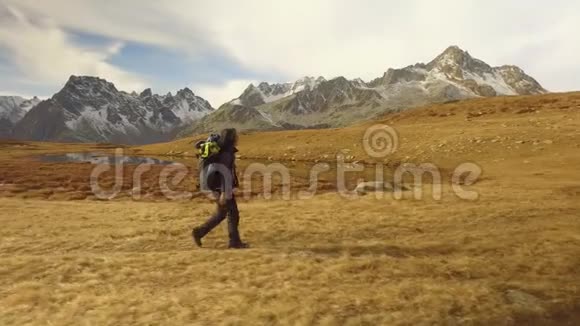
230	209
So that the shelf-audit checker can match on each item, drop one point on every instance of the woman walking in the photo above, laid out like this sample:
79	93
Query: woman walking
222	179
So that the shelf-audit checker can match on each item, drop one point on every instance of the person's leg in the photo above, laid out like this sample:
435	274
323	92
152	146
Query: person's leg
233	222
210	224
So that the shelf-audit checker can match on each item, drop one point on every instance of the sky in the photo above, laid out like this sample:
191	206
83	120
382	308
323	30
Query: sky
218	47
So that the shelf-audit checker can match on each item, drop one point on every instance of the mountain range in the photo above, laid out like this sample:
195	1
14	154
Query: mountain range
314	102
91	109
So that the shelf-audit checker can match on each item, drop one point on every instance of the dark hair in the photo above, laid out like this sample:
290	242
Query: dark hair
228	138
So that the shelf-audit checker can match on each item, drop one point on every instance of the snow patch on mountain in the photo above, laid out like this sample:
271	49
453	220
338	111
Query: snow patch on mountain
493	79
13	108
268	118
267	93
96	118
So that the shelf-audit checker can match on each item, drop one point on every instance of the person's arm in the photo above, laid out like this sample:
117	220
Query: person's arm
235	174
228	161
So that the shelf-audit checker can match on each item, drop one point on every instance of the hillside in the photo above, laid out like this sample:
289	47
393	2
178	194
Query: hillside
497	131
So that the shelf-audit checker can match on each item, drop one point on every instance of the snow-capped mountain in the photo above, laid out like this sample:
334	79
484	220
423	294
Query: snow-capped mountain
12	109
472	77
308	102
266	93
91	109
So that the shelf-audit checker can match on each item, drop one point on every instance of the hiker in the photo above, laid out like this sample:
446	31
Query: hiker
218	175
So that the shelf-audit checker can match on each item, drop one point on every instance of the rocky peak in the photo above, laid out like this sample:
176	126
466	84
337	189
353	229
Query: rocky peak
512	68
339	82
30	103
278	89
266	92
250	89
307	82
185	93
80	85
338	88
358	82
518	80
273	89
86	91
455	50
452	55
393	76
146	93
454	61
252	96
262	86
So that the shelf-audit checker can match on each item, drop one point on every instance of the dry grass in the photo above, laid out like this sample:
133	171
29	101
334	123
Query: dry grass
511	257
395	262
10	149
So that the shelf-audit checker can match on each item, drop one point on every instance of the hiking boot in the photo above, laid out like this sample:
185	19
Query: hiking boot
238	245
196	235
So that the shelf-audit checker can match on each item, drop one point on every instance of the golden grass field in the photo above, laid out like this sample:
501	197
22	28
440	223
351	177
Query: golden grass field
512	257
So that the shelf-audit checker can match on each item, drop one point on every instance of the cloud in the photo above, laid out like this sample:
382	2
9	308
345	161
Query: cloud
323	37
43	54
222	93
16	93
148	22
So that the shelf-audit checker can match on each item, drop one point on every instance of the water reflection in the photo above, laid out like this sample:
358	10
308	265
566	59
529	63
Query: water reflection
100	158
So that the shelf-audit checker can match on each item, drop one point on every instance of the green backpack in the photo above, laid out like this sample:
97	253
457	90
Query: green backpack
207	152
208	148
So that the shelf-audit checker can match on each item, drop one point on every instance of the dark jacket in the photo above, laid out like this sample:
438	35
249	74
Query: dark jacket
219	174
227	157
